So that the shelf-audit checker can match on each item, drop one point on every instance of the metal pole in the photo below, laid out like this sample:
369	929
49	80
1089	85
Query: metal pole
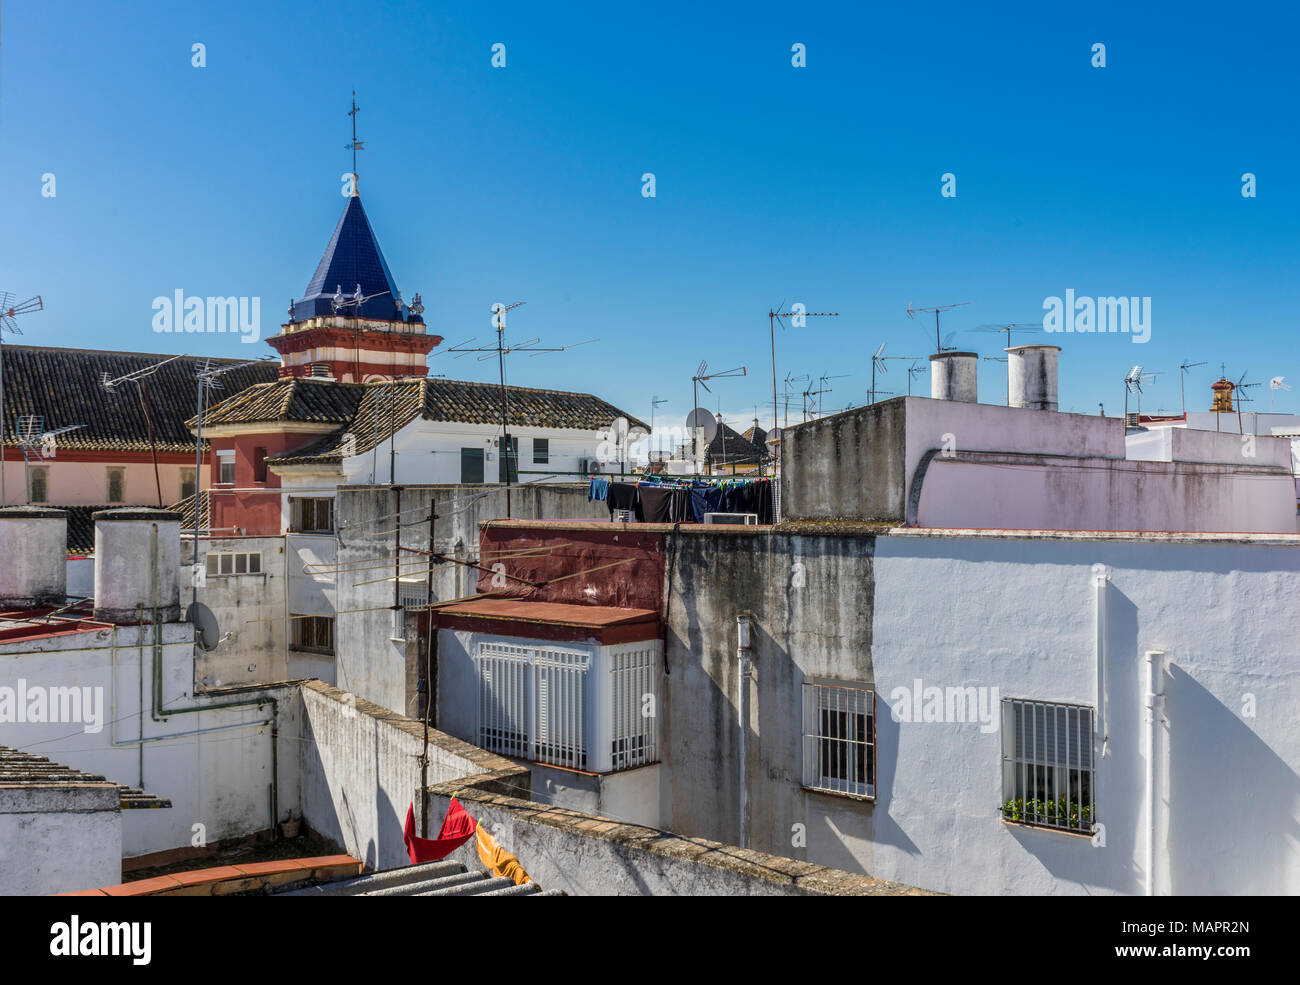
771	327
505	402
4	501
153	445
198	474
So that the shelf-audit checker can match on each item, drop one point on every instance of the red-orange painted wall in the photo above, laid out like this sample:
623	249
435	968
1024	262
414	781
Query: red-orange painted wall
255	513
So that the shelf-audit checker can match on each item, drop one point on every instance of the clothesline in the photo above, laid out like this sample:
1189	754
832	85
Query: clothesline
685	500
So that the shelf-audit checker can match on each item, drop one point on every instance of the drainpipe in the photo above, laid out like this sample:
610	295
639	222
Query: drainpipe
1100	583
1155	697
743	655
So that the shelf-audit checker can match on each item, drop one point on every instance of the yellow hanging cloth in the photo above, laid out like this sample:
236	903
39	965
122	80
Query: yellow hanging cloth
500	861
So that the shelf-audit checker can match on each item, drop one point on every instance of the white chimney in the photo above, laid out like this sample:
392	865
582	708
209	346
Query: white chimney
33	557
137	564
954	376
1031	376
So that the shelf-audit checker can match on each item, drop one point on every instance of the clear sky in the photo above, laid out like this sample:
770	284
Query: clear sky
819	184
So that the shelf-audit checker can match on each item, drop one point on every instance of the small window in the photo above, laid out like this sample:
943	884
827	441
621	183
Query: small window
39	489
187	483
226	468
411	596
117	485
313	633
234	562
541	451
1048	775
839	738
259	464
312	516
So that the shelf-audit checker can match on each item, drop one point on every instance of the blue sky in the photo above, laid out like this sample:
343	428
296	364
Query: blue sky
819	184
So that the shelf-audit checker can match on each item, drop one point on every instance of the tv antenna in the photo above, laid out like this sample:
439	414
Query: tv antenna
140	378
791	378
1182	383
775	315
500	350
913	371
878	363
1133	384
941	345
1275	384
8	312
1028	328
36	441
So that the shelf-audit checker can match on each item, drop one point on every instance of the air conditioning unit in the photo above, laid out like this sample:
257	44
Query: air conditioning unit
747	519
623	516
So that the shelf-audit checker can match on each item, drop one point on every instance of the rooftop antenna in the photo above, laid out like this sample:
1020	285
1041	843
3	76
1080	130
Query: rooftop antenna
500	350
823	389
655	401
791	378
207	380
36	441
1028	328
1133	384
913	371
775	315
1275	384
701	379
941	345
8	312
878	363
1240	398
140	378
1182	383
355	146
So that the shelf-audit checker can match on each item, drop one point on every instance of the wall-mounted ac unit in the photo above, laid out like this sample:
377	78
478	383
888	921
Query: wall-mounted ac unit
747	519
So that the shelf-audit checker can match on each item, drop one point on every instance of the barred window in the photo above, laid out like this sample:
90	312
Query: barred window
411	595
311	516
533	703
839	738
1048	772
313	633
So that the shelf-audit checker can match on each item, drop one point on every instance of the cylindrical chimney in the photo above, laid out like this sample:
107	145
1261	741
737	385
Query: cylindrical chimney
1031	376
954	376
137	562
33	557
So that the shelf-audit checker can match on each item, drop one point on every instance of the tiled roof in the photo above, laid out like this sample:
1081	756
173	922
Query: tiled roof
353	259
81	527
731	447
62	386
379	409
299	398
18	768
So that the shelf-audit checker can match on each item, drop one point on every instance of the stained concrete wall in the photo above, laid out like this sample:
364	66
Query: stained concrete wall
249	607
810	599
360	771
370	662
59	839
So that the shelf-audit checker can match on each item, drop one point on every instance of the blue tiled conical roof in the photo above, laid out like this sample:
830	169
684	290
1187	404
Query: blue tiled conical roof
353	258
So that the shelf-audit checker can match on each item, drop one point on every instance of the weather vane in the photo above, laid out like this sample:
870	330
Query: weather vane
356	144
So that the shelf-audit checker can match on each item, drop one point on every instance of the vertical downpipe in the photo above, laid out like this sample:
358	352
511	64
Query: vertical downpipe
1154	701
743	654
1101	739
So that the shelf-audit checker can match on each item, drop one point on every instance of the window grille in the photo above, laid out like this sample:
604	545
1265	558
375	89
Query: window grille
410	596
1048	771
839	739
311	516
634	703
533	703
313	633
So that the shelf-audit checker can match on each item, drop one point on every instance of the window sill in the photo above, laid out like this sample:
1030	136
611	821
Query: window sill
1050	829
842	794
312	650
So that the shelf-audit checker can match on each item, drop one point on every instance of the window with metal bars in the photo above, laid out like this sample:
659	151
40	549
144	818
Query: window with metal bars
313	633
634	697
533	702
1048	770
839	738
411	595
311	516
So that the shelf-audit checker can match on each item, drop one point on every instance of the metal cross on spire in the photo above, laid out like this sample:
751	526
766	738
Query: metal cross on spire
356	144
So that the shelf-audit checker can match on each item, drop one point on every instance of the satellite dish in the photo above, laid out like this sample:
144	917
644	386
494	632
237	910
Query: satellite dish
773	439
206	633
703	419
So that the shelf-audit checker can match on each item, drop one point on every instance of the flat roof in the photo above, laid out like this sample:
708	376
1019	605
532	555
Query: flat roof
550	620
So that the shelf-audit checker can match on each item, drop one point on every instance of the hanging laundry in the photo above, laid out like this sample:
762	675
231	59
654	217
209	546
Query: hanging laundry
457	828
653	503
621	496
598	490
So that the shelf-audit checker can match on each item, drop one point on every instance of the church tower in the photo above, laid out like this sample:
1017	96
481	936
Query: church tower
351	324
